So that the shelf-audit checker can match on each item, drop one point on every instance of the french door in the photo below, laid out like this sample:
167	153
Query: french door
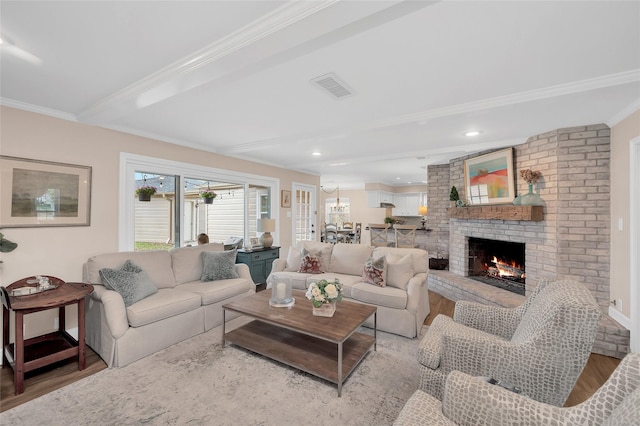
304	207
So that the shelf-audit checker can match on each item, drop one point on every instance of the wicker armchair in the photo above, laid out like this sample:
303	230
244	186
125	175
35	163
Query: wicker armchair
540	347
472	401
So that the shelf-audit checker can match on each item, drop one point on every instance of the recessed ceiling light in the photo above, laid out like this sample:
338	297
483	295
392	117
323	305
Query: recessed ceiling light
316	153
397	178
472	133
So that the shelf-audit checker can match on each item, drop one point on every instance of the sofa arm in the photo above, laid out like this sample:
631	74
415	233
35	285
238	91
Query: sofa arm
244	272
415	292
471	401
114	310
492	319
278	265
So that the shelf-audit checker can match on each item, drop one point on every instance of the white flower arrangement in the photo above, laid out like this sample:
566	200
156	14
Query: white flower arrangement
324	292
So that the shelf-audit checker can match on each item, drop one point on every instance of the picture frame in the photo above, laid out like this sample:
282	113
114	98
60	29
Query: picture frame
255	243
489	178
285	198
37	193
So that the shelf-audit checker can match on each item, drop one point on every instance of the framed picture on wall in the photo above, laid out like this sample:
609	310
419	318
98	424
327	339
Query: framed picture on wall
489	178
35	193
285	198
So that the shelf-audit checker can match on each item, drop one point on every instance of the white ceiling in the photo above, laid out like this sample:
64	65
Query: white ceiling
233	77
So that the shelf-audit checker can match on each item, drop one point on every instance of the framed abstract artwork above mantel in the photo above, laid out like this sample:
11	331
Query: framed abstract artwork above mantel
36	193
489	178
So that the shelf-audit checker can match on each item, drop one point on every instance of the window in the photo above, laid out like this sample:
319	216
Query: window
240	200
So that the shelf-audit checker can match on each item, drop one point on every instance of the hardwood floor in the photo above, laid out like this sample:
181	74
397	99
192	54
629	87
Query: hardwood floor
597	371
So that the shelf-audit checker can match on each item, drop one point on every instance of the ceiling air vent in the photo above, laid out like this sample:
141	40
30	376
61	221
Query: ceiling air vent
330	83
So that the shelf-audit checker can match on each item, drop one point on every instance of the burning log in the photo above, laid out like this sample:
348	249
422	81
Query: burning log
503	270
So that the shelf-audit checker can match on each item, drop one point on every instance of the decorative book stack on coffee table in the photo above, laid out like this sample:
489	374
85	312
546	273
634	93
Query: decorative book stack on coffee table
329	348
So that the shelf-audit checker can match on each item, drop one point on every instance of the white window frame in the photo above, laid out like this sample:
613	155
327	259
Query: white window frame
130	163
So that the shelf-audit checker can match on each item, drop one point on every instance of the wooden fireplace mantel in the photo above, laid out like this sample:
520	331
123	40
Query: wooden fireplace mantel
497	212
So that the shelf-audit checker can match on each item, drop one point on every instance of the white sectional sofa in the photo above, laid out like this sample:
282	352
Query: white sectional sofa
183	306
403	304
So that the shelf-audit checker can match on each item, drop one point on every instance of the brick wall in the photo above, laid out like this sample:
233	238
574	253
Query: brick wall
438	200
573	240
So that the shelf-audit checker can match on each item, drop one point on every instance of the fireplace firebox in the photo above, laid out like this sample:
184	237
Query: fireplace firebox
498	263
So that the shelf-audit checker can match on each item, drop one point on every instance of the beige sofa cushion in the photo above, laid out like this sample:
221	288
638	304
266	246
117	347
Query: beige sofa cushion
187	261
298	280
164	304
349	258
347	281
157	265
390	297
215	291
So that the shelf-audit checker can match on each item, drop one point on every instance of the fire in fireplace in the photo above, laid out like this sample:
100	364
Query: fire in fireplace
498	263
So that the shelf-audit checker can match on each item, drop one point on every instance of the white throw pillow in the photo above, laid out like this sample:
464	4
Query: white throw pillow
399	270
293	260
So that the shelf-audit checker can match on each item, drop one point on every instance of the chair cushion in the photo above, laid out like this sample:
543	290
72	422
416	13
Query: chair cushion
187	261
381	296
163	304
130	281
627	413
219	265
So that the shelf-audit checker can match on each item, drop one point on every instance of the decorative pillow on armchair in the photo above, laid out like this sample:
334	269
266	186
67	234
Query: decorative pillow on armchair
130	281
219	265
311	263
375	271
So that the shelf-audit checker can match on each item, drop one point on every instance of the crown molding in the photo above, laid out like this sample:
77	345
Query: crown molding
423	117
278	19
624	113
37	109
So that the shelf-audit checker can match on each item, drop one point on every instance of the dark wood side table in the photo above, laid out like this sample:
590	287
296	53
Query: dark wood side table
27	355
259	262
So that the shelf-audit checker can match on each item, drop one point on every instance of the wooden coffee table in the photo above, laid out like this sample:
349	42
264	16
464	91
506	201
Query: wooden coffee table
329	348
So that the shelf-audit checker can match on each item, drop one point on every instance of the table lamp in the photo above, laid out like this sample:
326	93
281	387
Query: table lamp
422	211
266	226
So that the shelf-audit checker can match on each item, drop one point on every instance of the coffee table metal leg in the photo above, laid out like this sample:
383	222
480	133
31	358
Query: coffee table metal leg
224	312
339	369
375	330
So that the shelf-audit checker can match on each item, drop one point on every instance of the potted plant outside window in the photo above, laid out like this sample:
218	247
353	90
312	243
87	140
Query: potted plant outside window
144	193
208	196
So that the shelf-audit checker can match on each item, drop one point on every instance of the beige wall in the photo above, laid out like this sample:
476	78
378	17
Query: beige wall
621	136
62	251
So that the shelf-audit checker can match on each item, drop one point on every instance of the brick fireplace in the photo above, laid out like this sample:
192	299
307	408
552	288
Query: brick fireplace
570	242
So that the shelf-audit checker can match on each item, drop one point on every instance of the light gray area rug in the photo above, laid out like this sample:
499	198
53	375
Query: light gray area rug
197	382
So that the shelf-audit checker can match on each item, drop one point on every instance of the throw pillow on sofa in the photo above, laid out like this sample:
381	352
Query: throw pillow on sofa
375	271
219	265
399	270
311	263
294	258
130	281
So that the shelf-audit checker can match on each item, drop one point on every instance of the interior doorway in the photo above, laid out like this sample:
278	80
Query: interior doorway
303	205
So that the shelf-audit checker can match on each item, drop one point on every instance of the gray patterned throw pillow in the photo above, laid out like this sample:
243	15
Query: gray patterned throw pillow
219	265
130	281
